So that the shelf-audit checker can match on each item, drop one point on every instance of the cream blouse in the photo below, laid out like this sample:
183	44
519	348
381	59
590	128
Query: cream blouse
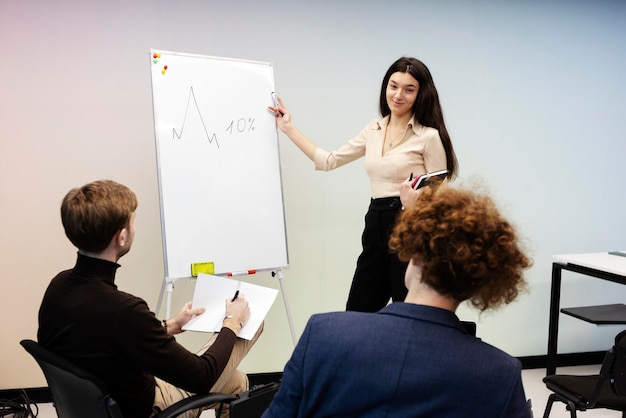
419	152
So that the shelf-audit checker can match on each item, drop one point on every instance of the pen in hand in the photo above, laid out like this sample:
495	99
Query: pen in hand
411	176
276	104
235	297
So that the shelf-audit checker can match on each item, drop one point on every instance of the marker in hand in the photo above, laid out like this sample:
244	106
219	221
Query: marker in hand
276	104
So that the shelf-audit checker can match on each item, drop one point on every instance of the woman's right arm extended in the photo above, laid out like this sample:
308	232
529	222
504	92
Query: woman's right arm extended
283	120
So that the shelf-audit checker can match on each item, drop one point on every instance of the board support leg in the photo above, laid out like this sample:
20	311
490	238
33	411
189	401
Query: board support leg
167	287
279	273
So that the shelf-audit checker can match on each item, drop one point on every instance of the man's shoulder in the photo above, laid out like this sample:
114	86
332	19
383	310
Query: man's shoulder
344	322
66	285
502	358
340	316
61	277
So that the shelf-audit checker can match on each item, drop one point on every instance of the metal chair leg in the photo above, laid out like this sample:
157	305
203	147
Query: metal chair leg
546	412
572	409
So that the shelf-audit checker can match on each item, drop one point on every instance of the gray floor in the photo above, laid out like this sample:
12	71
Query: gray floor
534	387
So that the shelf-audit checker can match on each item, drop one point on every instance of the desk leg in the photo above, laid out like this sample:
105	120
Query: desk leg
553	327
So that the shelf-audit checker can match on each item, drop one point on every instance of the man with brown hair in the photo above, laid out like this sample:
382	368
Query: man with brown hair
113	334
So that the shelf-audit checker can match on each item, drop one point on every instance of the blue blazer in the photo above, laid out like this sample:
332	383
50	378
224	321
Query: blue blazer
407	360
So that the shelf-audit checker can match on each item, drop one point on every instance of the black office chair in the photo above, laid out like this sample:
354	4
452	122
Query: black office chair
77	393
605	390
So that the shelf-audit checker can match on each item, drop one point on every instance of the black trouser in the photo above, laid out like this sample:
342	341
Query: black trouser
379	274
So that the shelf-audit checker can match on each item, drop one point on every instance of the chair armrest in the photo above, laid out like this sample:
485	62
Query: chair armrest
194	402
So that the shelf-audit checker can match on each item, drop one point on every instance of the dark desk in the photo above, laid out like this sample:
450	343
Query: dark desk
603	266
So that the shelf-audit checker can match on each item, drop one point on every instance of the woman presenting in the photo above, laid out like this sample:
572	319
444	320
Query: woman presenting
410	139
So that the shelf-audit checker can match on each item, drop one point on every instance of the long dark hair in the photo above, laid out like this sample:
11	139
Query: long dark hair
426	109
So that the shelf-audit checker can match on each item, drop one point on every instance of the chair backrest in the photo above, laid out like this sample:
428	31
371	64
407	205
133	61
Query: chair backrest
75	392
613	369
253	402
619	364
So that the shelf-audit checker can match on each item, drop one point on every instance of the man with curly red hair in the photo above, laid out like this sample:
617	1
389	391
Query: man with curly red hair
415	358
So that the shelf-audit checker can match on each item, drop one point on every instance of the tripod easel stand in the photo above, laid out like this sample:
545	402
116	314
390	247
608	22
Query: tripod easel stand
167	287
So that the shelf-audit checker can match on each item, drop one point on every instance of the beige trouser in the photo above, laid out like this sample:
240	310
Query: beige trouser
232	380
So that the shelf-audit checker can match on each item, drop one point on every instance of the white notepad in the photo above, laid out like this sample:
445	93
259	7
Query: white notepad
212	291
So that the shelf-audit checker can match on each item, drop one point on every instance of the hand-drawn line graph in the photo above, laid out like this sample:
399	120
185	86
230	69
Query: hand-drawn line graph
175	134
240	125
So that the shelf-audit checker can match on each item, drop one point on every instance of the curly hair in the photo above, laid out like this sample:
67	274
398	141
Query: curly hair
465	248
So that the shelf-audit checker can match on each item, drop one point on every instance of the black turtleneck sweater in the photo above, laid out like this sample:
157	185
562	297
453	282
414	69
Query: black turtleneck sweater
113	334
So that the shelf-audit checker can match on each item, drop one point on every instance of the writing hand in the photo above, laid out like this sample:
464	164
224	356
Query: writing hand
237	313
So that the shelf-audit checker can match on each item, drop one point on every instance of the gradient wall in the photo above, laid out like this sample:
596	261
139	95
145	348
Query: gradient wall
533	94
